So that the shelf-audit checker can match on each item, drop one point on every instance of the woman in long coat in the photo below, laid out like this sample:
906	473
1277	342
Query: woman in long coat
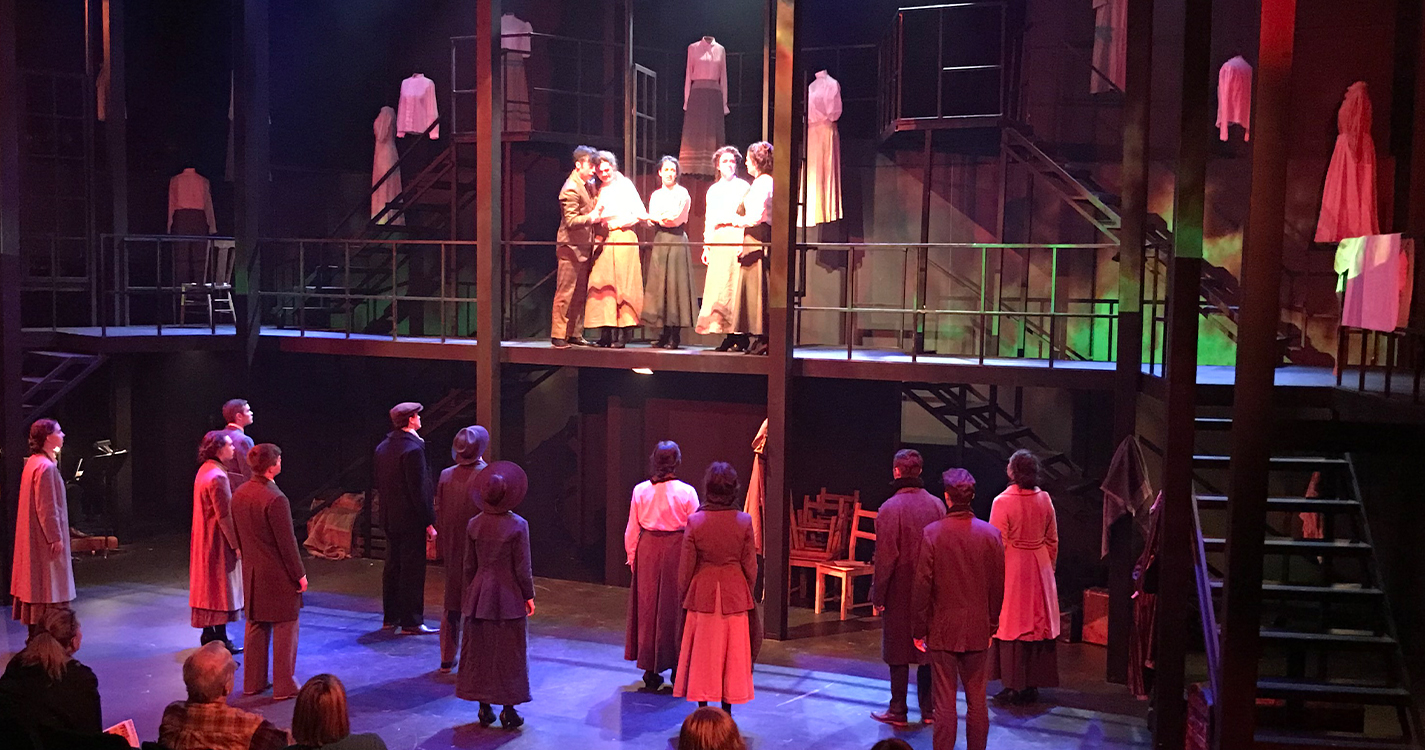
499	597
722	244
453	511
1022	654
668	291
653	541
41	577
615	298
214	560
717	573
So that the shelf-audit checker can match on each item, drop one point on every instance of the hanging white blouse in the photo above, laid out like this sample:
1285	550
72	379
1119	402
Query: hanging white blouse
823	99
707	61
514	33
671	204
757	203
1234	97
188	189
416	109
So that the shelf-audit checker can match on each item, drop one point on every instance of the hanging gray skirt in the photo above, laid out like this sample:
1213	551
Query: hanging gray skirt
704	128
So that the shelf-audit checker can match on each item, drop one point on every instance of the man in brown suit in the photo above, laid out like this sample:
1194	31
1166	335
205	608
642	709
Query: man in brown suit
959	588
900	523
273	576
577	225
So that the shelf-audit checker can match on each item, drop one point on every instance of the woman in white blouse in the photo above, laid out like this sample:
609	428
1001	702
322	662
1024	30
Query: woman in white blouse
756	223
722	244
616	277
668	290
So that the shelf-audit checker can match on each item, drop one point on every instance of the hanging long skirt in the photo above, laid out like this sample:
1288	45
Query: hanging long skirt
1021	665
752	281
517	103
668	290
722	285
494	667
189	256
715	662
704	128
655	611
615	283
823	180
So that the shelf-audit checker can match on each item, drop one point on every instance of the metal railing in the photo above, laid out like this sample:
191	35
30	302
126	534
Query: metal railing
1014	301
395	289
150	279
958	51
1383	356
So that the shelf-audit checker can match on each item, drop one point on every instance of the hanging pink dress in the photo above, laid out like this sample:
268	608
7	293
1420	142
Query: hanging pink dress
1348	203
382	161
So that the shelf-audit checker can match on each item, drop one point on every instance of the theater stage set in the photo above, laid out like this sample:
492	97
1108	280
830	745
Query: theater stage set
1043	243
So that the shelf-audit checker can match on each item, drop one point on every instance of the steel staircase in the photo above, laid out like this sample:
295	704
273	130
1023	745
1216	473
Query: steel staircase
1332	673
49	376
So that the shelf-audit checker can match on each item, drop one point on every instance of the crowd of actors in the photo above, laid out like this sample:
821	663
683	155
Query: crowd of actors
964	601
600	284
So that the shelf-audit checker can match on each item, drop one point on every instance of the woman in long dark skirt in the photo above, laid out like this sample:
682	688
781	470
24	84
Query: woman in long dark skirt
653	541
668	287
499	597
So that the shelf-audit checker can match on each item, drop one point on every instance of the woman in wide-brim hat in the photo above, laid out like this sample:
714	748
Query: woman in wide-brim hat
499	596
453	511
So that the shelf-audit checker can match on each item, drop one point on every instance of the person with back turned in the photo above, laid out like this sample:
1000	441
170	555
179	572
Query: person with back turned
403	489
959	589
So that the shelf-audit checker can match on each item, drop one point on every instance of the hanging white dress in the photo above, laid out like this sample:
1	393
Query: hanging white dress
381	163
822	195
1348	201
416	109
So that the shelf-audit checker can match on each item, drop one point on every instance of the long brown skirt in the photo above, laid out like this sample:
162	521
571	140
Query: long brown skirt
615	296
655	611
494	667
704	128
1020	665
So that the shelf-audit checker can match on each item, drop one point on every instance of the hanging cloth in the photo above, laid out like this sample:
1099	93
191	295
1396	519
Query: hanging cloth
1110	45
515	45
704	107
1373	271
1234	97
1348	202
382	193
416	109
1126	489
756	485
822	194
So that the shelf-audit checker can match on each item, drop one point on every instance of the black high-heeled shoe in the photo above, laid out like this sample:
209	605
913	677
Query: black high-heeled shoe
486	716
606	338
728	341
675	338
510	718
621	337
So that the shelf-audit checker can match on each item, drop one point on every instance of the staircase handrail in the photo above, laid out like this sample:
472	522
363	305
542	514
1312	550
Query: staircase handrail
1211	636
395	168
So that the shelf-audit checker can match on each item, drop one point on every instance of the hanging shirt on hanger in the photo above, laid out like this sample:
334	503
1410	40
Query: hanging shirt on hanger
416	109
514	33
1234	97
707	61
189	190
1348	202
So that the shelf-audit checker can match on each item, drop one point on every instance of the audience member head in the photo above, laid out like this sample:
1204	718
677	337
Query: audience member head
891	743
663	464
908	463
1023	469
45	436
238	412
725	161
959	489
320	716
208	673
54	643
720	486
669	170
709	728
214	445
265	460
759	158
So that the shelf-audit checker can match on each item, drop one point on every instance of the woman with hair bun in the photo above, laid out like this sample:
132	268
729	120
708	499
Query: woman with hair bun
1022	655
653	539
42	577
44	688
668	290
716	576
214	559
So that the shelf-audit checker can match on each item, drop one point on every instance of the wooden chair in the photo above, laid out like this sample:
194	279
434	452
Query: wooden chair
849	569
214	294
819	531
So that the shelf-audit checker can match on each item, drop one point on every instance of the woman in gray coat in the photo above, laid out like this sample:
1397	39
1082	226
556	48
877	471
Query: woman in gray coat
42	577
453	511
499	597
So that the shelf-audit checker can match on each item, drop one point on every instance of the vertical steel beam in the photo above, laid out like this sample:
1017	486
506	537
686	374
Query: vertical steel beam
252	159
1175	586
489	124
1415	214
630	97
116	118
12	441
1257	358
1137	96
787	102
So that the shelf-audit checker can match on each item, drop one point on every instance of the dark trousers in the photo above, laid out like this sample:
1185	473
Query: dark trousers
450	626
283	639
900	686
403	580
972	669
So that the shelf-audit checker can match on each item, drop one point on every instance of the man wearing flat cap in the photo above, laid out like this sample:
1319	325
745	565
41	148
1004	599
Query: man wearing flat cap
959	589
454	508
403	489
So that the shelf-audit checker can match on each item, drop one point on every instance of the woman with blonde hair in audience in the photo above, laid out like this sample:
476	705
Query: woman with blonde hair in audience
320	720
45	688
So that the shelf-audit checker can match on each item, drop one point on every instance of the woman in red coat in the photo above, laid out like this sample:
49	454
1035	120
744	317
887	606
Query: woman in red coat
42	577
1022	655
716	575
214	565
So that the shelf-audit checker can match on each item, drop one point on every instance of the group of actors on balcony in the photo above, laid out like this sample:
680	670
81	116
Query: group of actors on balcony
600	283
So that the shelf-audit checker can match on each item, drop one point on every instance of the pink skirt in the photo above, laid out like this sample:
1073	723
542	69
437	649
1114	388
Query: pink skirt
31	613
715	663
207	618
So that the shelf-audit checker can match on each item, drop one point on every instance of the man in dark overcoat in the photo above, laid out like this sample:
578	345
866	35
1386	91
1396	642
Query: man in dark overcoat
899	525
574	251
404	494
273	576
959	589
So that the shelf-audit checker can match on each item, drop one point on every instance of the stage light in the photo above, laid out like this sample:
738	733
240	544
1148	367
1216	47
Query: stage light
643	370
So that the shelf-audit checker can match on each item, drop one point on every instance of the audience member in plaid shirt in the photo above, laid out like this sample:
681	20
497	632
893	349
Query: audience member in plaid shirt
205	721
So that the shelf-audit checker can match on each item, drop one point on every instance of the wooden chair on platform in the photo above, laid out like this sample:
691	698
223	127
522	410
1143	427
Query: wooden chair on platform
819	530
849	569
